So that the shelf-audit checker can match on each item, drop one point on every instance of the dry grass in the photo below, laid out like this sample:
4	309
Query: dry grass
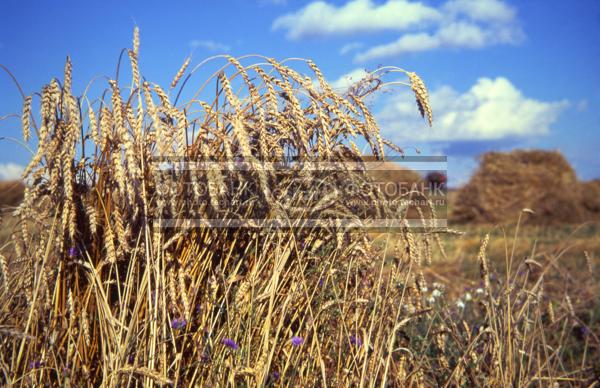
95	292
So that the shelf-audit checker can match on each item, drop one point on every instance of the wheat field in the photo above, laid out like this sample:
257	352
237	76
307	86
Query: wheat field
97	288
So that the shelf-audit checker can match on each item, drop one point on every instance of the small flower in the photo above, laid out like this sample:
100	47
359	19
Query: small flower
424	289
230	343
479	291
275	375
297	341
73	252
584	330
460	304
431	300
409	308
468	297
178	323
436	293
35	364
355	341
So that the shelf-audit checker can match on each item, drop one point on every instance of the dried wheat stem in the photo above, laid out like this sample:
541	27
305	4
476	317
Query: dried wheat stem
183	293
135	69
180	72
68	76
4	271
136	41
26	118
421	95
483	263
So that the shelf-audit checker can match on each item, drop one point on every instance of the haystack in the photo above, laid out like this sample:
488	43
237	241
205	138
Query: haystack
391	172
590	197
505	183
11	193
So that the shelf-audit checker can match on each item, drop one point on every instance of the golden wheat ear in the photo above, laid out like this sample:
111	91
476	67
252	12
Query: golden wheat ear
422	96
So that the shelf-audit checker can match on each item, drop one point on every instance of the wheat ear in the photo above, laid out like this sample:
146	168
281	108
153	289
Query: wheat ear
421	95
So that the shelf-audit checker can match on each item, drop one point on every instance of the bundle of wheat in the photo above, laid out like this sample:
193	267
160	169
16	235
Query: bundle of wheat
112	294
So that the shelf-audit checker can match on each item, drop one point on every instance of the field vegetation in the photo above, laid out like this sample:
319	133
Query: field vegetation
101	285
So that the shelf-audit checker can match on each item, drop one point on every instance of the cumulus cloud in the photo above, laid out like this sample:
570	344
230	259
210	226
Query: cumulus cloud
454	24
348	79
492	109
10	171
453	35
481	10
320	18
350	47
209	45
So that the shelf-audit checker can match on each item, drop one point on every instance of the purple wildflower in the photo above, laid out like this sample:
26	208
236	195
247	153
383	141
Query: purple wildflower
178	323
584	330
297	341
355	341
275	375
73	252
35	364
230	343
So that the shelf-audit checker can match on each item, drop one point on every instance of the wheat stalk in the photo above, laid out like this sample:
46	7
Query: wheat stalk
180	72
421	95
25	118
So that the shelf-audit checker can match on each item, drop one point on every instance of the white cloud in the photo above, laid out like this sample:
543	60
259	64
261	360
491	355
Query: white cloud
492	109
406	43
481	10
209	45
10	171
350	47
348	79
320	18
468	24
462	34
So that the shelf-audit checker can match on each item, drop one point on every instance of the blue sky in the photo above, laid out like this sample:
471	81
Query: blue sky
501	74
